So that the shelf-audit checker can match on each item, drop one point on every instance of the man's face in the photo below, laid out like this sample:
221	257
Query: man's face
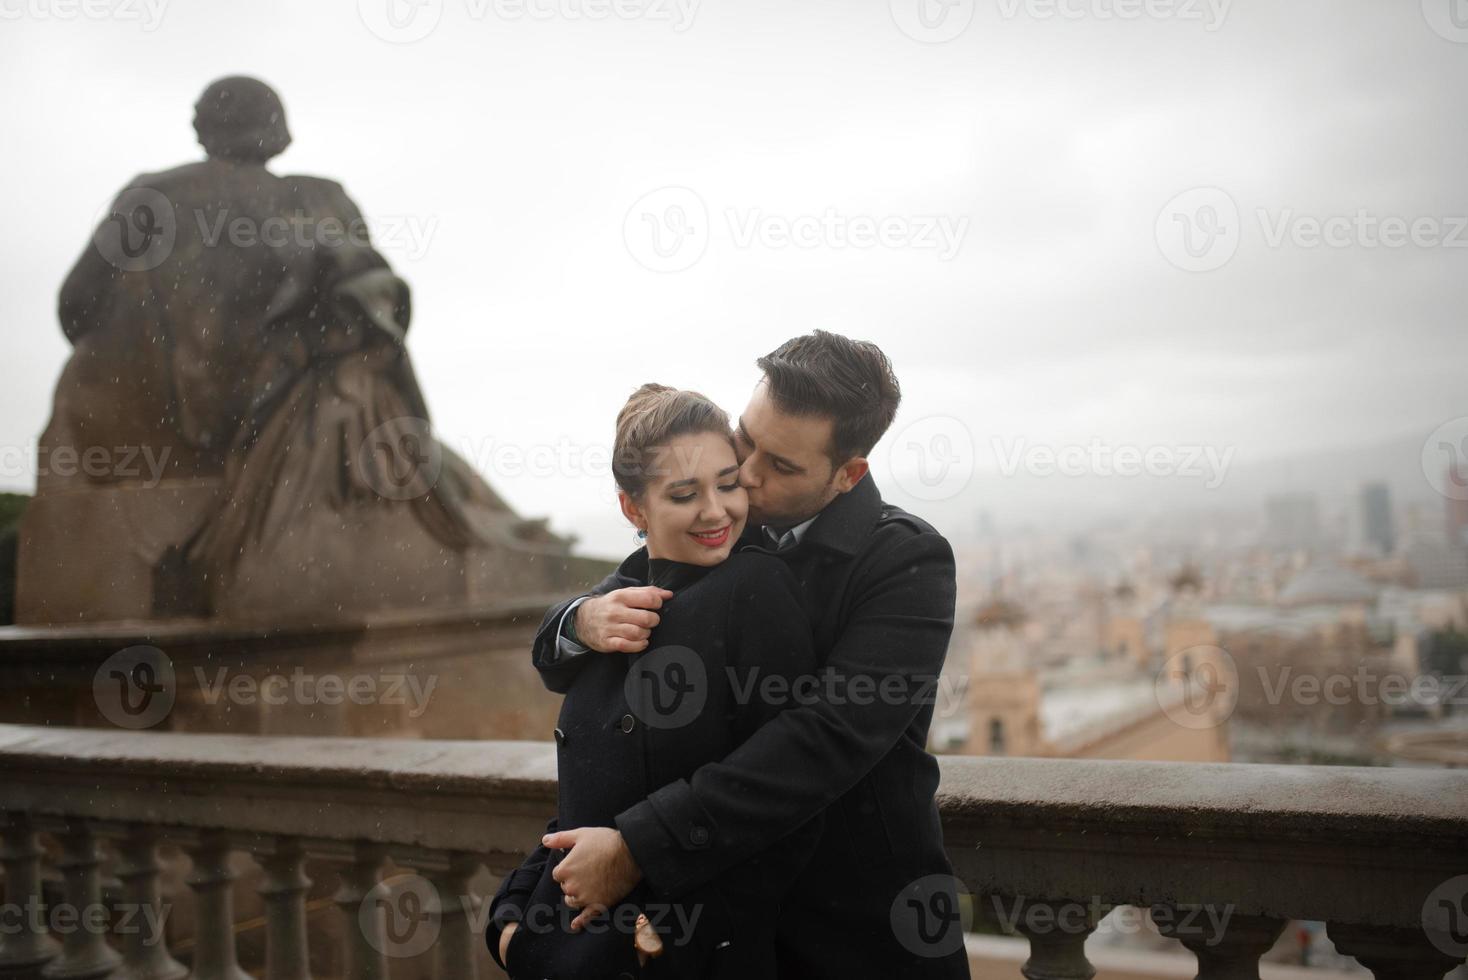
783	462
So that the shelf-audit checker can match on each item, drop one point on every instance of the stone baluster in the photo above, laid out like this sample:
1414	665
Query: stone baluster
287	954
1227	945
1057	931
145	953
212	880
455	951
1397	954
85	954
27	944
364	926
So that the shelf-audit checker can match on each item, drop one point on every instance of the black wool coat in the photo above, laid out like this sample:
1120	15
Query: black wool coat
631	723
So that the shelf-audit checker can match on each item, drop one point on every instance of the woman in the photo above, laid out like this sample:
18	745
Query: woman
631	724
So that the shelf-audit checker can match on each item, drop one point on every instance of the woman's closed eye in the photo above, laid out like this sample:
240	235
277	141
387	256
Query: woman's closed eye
684	498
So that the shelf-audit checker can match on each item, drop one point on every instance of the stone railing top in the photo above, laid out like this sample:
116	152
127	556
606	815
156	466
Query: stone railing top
1255	800
1273	800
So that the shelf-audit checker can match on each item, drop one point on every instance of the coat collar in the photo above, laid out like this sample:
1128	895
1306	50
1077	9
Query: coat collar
662	572
842	527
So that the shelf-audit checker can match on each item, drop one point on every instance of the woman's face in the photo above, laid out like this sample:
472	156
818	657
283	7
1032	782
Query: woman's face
694	508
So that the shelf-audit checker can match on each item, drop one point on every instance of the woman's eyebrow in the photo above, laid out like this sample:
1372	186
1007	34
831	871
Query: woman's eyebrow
729	469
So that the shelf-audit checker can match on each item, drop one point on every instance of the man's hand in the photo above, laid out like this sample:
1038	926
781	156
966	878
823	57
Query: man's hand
597	873
620	621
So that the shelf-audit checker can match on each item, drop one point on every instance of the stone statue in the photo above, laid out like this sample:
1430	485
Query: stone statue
239	432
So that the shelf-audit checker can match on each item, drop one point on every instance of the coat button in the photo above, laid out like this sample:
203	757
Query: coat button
699	835
628	723
560	737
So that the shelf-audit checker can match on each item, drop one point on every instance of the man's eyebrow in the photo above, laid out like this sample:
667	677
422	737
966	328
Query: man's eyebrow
777	458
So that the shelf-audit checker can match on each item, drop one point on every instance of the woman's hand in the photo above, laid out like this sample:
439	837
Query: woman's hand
505	934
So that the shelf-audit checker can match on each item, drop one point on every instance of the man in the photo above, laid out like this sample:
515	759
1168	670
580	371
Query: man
877	896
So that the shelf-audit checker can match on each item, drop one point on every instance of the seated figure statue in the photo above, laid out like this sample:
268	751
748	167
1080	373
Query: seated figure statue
239	432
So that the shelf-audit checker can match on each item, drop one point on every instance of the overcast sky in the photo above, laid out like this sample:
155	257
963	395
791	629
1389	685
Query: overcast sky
999	210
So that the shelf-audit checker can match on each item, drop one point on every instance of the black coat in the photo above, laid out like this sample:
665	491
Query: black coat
630	724
878	586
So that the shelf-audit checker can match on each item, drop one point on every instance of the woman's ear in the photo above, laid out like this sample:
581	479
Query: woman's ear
631	511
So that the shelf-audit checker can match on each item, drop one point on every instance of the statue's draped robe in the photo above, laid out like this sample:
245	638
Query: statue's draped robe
269	358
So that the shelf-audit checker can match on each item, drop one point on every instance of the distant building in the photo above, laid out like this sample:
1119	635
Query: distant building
1457	510
1376	518
1292	520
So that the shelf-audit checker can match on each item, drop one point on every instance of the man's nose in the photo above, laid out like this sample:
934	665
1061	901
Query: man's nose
747	477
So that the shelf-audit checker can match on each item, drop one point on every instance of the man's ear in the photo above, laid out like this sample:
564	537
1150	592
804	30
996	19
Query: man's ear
849	473
631	511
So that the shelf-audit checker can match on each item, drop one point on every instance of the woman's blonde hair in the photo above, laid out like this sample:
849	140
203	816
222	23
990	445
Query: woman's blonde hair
653	416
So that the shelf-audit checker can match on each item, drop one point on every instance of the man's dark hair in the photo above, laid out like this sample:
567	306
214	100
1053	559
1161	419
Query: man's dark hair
848	381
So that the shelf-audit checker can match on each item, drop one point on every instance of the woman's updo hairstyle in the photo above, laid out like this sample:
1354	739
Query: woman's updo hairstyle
654	416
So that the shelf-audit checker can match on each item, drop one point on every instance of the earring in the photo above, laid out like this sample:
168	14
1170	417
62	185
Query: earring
641	535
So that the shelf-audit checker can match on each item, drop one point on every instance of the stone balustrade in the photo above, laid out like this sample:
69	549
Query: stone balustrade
1222	855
